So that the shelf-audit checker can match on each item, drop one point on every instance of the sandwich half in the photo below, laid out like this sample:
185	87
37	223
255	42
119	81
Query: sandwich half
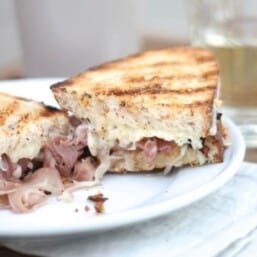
38	155
152	110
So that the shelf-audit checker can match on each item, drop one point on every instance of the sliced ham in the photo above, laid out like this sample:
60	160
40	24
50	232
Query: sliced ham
65	155
85	169
25	164
65	151
47	179
48	158
35	189
13	172
7	167
80	135
25	199
8	186
149	147
164	146
28	183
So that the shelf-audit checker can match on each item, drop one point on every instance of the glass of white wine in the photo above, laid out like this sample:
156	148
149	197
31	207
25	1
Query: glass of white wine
229	29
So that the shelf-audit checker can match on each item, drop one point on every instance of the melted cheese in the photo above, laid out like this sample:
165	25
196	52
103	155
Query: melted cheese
213	128
176	160
216	106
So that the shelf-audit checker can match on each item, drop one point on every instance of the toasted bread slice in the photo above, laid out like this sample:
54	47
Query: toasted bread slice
167	94
26	125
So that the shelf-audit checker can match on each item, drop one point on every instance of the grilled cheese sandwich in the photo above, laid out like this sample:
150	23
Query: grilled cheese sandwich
135	107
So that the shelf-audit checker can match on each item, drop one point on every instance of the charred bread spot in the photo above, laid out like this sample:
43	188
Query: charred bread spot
203	140
8	110
97	197
47	192
218	142
87	95
52	109
48	111
122	103
205	150
219	115
99	200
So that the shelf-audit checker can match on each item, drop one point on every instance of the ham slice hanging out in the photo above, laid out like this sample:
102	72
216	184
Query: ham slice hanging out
23	186
27	184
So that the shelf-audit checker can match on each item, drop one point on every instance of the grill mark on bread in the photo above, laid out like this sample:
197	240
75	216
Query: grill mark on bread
203	77
192	105
152	90
198	58
48	111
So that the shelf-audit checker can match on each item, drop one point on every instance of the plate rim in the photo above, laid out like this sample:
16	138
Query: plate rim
145	213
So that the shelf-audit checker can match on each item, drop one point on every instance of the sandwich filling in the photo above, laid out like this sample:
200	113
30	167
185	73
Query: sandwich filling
66	162
156	153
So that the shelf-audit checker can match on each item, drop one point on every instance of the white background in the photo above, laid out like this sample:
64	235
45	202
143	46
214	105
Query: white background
164	19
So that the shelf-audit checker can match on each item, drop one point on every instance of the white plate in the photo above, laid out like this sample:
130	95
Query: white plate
132	197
